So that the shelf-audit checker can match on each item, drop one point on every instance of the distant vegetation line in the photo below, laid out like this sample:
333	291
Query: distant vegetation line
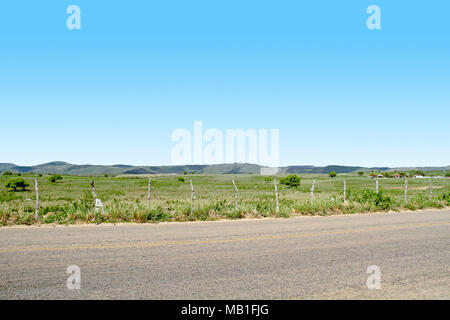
236	168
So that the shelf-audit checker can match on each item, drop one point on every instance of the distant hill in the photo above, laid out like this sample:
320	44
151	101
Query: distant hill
233	168
327	169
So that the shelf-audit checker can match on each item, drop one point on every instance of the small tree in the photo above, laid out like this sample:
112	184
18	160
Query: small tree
54	178
360	173
291	181
180	179
332	174
7	173
17	184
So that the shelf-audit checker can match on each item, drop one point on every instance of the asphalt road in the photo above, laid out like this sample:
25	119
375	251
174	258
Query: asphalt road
296	258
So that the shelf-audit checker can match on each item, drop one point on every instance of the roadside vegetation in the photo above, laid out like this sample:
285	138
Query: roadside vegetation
69	199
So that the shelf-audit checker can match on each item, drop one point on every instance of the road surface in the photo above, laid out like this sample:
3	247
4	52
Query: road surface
296	258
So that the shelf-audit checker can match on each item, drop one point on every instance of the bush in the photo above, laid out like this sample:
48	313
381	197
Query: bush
445	197
268	179
447	175
7	173
360	173
7	197
332	174
180	179
55	178
379	200
291	181
17	184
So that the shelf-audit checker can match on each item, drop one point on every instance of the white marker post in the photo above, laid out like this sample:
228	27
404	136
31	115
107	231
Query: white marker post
312	190
236	195
277	208
98	204
36	215
192	196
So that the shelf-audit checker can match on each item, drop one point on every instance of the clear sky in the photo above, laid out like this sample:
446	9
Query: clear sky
114	91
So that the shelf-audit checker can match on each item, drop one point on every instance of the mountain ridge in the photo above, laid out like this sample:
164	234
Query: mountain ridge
62	167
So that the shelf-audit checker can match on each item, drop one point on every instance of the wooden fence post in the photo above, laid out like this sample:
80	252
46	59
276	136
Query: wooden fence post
431	190
345	191
93	192
406	191
377	186
36	215
277	205
236	195
312	190
192	196
149	196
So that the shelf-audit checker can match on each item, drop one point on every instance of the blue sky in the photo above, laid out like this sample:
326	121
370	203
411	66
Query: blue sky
114	91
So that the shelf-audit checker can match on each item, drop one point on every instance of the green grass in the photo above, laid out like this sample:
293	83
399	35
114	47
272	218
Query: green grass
125	198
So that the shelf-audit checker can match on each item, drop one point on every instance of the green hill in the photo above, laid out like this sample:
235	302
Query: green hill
233	168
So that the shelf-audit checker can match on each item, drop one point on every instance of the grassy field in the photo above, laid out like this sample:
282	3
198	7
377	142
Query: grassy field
125	198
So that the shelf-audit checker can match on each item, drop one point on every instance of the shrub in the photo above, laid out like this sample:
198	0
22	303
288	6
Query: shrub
291	181
7	173
445	197
379	200
55	178
360	173
447	175
332	174
17	184
7	197
268	179
157	214
180	179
